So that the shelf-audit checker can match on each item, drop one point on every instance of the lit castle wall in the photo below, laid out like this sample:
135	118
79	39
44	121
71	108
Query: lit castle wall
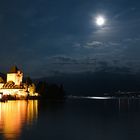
14	85
15	75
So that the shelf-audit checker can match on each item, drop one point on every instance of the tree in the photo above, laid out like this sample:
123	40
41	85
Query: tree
28	81
41	88
50	91
1	80
32	88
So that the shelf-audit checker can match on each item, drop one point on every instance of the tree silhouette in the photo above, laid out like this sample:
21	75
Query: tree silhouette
50	91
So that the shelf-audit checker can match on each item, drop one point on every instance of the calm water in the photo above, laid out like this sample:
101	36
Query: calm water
74	119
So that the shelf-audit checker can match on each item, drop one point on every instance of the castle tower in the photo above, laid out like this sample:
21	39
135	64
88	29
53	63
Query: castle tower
15	75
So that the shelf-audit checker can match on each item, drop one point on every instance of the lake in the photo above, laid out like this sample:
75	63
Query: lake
74	119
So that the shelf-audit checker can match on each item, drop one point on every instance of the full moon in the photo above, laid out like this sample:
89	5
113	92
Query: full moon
100	21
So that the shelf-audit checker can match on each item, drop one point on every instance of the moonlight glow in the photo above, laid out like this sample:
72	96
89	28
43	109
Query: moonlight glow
100	21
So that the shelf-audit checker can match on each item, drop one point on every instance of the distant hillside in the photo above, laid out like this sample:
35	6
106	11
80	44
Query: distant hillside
96	83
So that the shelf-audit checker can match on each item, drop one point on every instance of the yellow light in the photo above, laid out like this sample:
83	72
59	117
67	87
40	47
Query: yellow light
14	114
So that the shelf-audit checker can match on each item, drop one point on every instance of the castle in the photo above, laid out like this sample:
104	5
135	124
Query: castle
14	85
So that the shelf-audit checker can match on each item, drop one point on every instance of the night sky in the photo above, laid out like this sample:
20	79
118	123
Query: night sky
50	37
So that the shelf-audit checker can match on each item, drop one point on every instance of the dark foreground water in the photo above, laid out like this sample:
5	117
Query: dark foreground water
74	119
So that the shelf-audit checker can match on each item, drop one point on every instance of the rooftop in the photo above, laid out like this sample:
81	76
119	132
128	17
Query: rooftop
13	69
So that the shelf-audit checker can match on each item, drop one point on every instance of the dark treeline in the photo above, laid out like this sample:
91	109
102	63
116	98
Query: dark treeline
97	83
50	91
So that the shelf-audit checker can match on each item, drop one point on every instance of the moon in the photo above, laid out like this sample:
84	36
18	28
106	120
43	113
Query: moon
100	21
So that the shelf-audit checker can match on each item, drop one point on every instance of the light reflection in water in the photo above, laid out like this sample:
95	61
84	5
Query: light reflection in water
14	114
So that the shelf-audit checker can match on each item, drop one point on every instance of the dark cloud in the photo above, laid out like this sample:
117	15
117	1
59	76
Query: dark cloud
94	44
46	37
